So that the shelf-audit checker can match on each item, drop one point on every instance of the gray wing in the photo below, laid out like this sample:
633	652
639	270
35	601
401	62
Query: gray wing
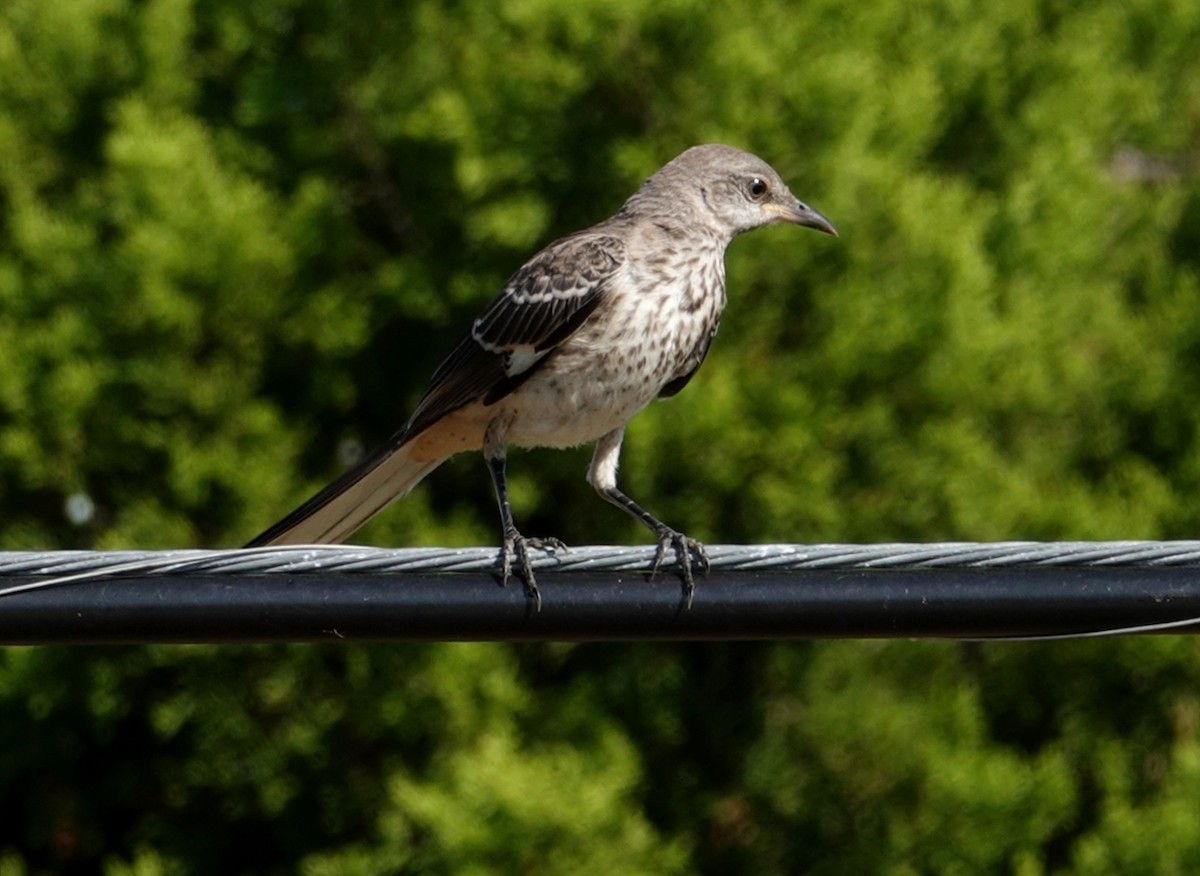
541	305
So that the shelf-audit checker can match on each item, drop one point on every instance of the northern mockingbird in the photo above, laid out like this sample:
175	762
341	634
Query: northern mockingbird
586	334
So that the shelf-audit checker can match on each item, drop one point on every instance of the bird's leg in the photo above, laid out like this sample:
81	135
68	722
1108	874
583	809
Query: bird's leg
683	545
602	475
514	544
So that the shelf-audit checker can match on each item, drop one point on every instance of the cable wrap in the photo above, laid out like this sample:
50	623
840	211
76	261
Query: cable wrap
600	558
1007	590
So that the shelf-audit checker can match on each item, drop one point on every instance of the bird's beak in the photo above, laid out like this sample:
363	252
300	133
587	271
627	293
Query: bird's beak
799	213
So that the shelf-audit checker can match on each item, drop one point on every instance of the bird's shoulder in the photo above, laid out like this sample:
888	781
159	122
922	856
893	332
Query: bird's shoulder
541	305
551	295
572	265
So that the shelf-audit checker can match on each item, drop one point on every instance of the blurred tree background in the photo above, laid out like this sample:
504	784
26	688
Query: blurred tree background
235	239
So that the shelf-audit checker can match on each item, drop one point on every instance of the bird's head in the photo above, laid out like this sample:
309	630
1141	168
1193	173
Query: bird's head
730	189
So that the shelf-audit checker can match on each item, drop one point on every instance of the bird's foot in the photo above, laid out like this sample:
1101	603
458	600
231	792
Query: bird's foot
684	547
517	546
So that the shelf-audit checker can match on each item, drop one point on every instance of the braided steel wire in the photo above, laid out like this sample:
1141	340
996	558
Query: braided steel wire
957	590
83	565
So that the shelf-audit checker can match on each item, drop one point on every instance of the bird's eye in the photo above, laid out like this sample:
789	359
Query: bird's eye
757	188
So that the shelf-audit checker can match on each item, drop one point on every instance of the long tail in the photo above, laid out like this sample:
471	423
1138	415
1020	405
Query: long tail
358	495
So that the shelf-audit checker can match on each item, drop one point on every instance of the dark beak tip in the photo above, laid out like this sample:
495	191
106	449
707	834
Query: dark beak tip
812	219
802	214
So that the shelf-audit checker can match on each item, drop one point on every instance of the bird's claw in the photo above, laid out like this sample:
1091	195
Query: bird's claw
684	546
517	545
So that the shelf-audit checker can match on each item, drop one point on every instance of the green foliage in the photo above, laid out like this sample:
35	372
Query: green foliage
235	237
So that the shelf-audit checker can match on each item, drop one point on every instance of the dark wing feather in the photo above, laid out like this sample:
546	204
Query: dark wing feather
544	296
543	304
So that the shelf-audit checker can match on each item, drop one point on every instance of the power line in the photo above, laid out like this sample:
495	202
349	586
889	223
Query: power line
347	594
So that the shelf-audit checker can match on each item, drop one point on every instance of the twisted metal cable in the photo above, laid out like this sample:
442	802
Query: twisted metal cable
1006	590
65	566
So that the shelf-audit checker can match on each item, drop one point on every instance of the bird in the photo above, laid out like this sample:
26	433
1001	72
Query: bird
582	337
